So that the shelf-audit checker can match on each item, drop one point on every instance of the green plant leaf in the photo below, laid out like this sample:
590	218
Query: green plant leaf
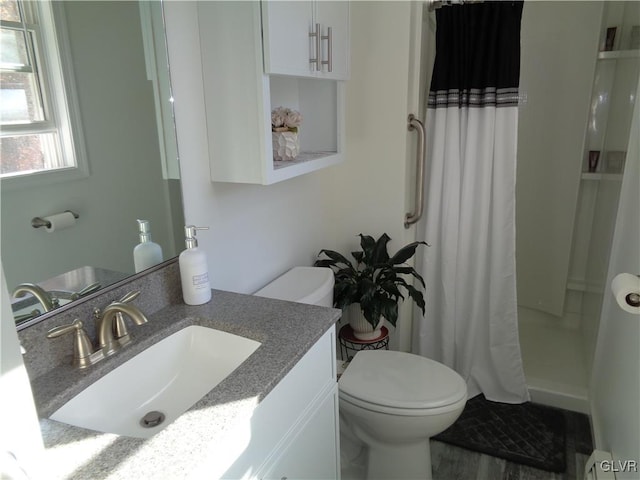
324	262
390	310
405	253
358	256
372	312
337	257
368	289
417	297
410	271
380	254
367	243
392	289
344	294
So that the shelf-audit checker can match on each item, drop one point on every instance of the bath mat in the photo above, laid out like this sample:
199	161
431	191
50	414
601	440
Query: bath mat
527	433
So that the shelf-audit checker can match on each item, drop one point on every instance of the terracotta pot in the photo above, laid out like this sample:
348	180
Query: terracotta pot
362	329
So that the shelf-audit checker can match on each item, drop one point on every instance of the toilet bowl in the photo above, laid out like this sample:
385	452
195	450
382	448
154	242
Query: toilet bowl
394	402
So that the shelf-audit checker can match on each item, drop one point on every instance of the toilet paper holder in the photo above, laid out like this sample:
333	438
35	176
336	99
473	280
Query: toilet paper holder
37	222
626	290
633	299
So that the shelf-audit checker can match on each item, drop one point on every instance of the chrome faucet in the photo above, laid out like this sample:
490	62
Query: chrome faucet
106	325
48	302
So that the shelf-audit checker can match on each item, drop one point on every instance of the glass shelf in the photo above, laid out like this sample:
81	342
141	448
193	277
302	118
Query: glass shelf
601	176
618	54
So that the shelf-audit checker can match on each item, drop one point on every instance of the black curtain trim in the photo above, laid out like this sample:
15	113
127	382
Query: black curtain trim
474	97
477	46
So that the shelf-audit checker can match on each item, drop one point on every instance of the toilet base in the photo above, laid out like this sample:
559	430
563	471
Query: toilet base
407	461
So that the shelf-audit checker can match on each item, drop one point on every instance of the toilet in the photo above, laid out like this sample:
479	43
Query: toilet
394	402
312	285
391	403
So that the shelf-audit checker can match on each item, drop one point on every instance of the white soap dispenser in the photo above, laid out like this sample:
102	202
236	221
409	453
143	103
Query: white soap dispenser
194	270
147	253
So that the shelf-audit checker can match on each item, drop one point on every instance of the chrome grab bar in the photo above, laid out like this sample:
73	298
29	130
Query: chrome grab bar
411	218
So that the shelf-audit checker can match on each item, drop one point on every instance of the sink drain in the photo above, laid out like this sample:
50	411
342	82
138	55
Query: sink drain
152	419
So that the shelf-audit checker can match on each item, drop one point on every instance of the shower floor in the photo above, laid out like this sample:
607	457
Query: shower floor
554	361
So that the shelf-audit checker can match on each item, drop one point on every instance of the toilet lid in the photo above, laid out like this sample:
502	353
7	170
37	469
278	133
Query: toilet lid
401	380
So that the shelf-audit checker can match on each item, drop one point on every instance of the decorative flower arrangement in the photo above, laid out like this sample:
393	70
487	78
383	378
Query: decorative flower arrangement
285	120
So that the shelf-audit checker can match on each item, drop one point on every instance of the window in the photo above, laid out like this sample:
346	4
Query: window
36	134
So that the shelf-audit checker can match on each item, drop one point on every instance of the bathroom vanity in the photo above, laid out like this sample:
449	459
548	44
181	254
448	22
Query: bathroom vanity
274	416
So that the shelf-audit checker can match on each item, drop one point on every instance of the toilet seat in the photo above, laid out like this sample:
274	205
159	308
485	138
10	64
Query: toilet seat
401	383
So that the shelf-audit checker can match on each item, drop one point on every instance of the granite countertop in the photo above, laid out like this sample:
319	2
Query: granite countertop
286	331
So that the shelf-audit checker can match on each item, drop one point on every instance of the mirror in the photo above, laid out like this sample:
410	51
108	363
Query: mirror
117	61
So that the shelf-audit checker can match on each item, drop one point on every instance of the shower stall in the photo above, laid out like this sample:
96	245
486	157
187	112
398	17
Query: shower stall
580	62
578	83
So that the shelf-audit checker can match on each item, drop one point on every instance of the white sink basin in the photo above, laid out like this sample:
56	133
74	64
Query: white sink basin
168	377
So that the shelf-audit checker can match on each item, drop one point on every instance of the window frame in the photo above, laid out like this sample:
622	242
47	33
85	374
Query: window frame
58	87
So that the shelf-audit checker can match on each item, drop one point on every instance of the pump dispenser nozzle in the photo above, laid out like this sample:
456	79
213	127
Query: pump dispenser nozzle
190	235
144	230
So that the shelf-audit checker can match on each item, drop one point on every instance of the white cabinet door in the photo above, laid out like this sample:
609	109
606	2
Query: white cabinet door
288	48
313	452
335	15
287	45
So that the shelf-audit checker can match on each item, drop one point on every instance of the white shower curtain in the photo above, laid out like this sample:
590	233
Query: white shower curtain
470	322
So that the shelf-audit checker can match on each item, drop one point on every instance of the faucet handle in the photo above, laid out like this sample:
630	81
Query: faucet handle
94	287
130	297
64	329
83	354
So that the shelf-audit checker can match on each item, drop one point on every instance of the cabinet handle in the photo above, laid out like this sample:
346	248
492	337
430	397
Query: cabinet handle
329	61
316	35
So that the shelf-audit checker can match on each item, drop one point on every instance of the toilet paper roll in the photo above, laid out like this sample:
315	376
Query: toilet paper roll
60	221
624	287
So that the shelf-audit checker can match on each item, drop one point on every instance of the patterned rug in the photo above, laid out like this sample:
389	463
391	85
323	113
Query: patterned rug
527	433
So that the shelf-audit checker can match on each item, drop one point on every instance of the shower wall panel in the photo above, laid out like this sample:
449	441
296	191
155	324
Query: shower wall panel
559	47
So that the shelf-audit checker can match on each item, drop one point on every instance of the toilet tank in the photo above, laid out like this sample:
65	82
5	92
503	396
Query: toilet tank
313	285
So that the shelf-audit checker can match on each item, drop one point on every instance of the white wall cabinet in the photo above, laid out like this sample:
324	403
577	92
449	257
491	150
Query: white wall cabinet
307	38
294	430
239	95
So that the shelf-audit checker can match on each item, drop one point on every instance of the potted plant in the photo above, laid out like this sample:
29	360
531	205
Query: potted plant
284	133
371	289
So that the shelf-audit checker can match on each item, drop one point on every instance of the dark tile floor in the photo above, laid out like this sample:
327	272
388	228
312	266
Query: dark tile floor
455	463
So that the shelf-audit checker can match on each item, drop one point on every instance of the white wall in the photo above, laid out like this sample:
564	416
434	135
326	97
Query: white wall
615	383
256	232
369	190
260	232
125	180
559	46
